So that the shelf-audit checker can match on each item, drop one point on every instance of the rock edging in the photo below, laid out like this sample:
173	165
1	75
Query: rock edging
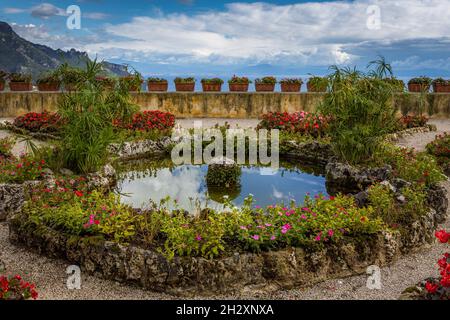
188	276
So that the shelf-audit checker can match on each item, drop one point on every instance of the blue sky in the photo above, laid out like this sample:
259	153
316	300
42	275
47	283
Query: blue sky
282	38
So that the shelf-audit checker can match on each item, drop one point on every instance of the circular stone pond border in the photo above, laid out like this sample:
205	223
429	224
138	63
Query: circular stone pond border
189	276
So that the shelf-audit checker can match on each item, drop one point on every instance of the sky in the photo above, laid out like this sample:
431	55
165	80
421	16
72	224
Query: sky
281	38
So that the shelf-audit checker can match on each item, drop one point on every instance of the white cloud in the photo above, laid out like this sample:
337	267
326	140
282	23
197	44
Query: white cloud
307	33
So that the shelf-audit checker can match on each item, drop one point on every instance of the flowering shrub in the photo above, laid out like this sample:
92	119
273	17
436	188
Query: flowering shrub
439	289
15	288
6	145
45	122
19	170
298	122
440	148
412	121
319	220
148	120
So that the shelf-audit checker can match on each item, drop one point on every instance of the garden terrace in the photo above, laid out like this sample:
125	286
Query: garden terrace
221	105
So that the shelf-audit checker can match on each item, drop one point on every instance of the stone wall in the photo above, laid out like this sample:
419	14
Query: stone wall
223	105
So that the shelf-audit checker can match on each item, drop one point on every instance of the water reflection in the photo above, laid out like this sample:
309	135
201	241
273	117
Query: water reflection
187	185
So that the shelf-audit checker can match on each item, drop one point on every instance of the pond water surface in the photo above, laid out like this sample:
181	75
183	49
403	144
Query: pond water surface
156	180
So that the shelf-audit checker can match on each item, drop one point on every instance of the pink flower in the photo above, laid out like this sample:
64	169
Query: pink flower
273	238
286	228
255	237
303	217
319	237
330	232
243	227
268	224
198	237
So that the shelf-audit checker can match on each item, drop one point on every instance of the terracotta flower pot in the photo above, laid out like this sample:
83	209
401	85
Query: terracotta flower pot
238	87
212	87
20	86
157	86
441	88
2	86
291	87
185	87
49	86
265	87
312	88
416	87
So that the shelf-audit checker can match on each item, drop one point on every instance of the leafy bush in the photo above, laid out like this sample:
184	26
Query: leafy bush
184	80
291	81
3	76
148	120
266	80
318	83
88	115
52	77
15	288
19	170
45	122
441	81
298	122
412	121
362	112
6	145
319	220
440	148
409	165
156	80
239	80
223	175
393	212
212	81
20	77
421	80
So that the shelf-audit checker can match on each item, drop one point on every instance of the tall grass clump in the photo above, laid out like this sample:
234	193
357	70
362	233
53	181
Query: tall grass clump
362	111
88	114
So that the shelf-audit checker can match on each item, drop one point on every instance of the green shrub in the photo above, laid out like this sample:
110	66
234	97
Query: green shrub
361	110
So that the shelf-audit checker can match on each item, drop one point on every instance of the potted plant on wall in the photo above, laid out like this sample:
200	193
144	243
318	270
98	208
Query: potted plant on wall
70	76
157	85
291	84
238	84
266	84
420	84
49	82
441	85
108	83
20	82
317	84
185	84
212	85
132	82
3	76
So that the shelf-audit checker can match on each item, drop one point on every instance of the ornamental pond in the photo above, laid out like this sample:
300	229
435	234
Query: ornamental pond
142	182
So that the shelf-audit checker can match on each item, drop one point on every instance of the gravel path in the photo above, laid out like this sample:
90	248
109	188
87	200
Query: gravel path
50	277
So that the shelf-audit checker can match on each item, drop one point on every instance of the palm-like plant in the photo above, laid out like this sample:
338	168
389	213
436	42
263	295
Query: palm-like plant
382	68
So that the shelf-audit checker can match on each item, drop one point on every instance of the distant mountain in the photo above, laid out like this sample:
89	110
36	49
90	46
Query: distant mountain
20	55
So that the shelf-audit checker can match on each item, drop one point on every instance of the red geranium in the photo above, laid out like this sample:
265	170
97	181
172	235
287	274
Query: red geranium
15	288
45	122
148	120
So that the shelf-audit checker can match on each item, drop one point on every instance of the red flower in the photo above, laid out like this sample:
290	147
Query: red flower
431	287
78	193
443	236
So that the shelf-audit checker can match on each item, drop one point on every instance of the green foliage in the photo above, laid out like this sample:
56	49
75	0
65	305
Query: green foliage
394	212
157	80
319	220
291	81
223	175
88	115
6	145
49	77
184	80
409	165
426	81
212	81
20	77
440	148
361	110
318	84
239	80
266	80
